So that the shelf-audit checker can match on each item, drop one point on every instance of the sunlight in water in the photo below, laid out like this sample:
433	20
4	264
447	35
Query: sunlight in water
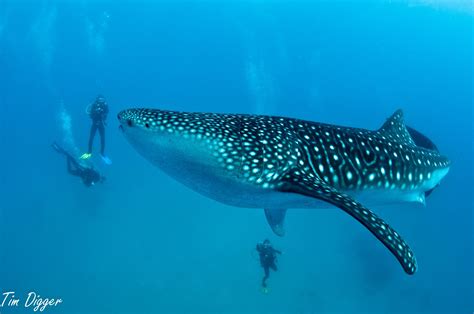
43	34
459	5
96	32
66	128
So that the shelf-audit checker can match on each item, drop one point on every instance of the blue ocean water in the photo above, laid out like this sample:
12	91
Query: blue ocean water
143	243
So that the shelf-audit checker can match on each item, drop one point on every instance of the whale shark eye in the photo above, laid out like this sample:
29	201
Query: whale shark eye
129	123
147	125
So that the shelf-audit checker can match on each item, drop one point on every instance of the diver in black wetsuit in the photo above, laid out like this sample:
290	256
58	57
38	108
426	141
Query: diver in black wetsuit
89	176
267	259
98	112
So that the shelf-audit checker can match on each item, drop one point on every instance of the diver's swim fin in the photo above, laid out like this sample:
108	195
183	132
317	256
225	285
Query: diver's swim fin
57	148
86	156
264	290
106	160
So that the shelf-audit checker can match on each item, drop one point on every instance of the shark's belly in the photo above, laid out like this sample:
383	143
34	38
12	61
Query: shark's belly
242	194
239	193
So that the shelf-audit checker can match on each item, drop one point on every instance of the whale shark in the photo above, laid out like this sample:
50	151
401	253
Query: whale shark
276	163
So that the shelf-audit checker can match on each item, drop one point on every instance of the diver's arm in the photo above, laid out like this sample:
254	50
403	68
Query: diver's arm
73	171
105	113
76	173
90	110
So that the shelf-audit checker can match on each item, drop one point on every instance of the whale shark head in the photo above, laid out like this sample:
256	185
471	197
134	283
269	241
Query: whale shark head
194	148
171	138
161	135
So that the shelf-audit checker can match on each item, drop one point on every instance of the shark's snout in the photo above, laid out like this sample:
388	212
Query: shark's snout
127	118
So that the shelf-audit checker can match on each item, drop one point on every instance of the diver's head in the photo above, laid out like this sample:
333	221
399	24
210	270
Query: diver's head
266	242
100	99
95	177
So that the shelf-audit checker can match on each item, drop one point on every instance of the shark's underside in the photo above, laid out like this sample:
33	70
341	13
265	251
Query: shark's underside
277	163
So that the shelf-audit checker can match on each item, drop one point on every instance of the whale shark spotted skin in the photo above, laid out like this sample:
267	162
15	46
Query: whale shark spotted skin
278	163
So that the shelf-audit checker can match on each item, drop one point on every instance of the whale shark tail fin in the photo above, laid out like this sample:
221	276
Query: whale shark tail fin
421	140
395	129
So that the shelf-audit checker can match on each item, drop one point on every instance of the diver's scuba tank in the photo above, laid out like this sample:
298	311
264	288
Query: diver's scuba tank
88	109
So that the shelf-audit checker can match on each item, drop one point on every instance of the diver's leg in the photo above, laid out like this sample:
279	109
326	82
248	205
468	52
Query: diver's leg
274	266
73	168
70	165
267	274
57	148
60	150
91	137
102	138
70	160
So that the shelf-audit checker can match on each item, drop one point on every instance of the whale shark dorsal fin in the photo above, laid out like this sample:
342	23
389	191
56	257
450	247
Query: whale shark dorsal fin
310	185
276	220
394	128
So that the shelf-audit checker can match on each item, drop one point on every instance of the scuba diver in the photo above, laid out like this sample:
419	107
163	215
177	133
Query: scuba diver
267	260
98	111
89	175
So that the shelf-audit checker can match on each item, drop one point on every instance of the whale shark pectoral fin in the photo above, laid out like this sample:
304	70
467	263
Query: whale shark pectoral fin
314	187
276	219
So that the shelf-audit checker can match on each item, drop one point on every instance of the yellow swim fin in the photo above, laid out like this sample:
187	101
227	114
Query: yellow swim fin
85	156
